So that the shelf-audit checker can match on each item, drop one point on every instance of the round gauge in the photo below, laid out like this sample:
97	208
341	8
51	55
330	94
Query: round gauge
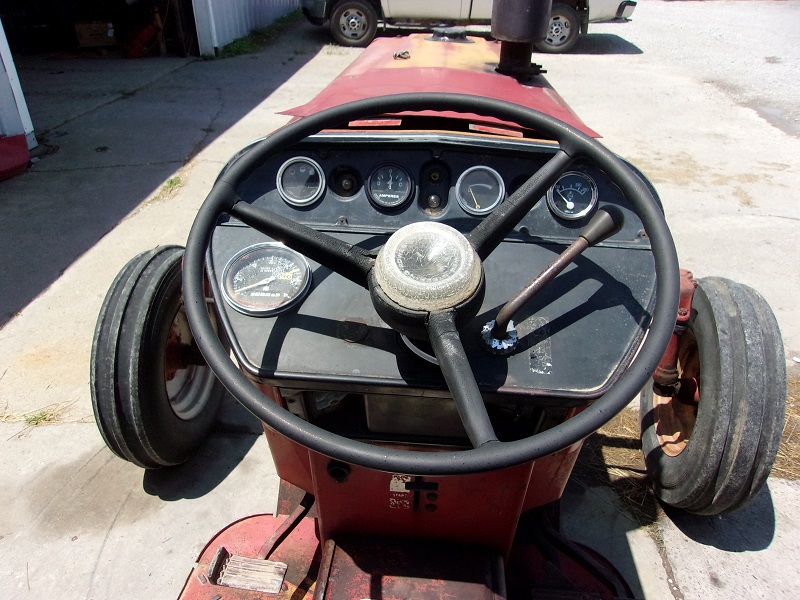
265	279
301	181
389	186
479	190
573	196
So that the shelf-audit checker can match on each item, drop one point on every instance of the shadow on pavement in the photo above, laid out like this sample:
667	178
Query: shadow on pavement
747	530
603	43
592	43
234	435
112	131
609	489
607	498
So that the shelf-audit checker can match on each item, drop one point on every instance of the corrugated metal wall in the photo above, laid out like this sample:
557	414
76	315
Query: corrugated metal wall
219	22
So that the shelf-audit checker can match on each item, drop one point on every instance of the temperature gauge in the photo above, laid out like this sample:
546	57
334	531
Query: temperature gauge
389	186
573	196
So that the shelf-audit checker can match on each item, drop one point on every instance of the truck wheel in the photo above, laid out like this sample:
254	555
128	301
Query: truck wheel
710	449
563	31
354	23
154	401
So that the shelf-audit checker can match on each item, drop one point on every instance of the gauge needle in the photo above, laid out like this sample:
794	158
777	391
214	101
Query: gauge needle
475	200
570	204
266	281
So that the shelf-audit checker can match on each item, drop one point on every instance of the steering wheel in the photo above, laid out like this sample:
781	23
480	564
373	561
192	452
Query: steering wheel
414	307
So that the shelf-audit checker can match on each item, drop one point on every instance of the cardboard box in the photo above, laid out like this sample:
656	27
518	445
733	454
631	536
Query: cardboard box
91	34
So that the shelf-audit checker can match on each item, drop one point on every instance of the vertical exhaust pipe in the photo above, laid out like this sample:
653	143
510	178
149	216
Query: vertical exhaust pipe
518	24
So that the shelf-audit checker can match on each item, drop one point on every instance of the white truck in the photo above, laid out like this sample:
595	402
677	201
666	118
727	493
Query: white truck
355	22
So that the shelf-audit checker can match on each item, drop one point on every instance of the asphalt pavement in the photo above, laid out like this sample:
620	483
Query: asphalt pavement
684	91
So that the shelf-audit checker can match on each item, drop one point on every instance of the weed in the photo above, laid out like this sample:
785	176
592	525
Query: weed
37	418
41	416
258	38
172	184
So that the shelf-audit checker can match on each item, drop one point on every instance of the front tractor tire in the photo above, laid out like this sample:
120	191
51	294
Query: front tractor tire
709	448
563	30
154	400
354	23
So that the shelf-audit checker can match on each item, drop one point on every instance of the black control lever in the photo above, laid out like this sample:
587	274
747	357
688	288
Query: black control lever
606	222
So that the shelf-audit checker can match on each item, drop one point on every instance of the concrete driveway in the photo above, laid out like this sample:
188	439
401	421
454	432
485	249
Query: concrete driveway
679	91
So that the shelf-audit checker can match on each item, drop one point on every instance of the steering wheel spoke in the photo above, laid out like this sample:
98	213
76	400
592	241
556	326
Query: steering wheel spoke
457	372
349	261
491	231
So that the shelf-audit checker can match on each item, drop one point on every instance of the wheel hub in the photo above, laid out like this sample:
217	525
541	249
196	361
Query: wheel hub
559	31
675	416
352	23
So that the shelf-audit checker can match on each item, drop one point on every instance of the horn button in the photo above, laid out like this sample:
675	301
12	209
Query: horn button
428	267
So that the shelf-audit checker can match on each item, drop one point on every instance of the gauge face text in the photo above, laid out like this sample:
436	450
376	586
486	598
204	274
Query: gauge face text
265	279
389	186
573	196
301	181
479	190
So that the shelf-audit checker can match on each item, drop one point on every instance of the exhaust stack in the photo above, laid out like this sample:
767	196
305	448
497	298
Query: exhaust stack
518	24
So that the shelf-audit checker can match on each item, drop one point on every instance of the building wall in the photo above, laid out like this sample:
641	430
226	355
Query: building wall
14	116
219	22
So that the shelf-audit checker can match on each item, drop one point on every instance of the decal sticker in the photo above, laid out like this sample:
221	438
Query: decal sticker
537	330
399	496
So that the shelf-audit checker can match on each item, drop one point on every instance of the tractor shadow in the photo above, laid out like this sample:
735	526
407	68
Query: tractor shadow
232	438
725	532
612	458
609	497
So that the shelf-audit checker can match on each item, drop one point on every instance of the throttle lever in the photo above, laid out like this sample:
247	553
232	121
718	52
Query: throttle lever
496	334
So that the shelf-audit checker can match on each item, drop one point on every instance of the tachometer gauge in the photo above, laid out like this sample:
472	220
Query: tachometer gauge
265	279
301	181
389	186
479	190
573	196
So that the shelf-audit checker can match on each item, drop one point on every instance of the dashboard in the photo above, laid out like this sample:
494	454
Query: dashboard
296	325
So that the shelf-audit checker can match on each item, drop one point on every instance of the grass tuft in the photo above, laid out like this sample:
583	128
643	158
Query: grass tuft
47	415
259	38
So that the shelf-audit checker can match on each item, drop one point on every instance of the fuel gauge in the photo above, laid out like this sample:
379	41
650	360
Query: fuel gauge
480	190
573	196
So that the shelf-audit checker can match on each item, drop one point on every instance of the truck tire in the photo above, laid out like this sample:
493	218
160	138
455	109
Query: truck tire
709	449
563	30
354	23
150	411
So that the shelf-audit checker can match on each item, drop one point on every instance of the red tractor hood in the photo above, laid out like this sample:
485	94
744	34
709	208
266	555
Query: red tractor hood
433	66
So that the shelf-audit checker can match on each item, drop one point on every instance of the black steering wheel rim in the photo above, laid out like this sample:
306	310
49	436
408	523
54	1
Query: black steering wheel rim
490	456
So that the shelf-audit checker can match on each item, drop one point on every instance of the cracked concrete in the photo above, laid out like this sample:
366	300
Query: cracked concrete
80	523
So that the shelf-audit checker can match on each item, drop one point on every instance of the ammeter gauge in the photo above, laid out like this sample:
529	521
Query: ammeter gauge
390	186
